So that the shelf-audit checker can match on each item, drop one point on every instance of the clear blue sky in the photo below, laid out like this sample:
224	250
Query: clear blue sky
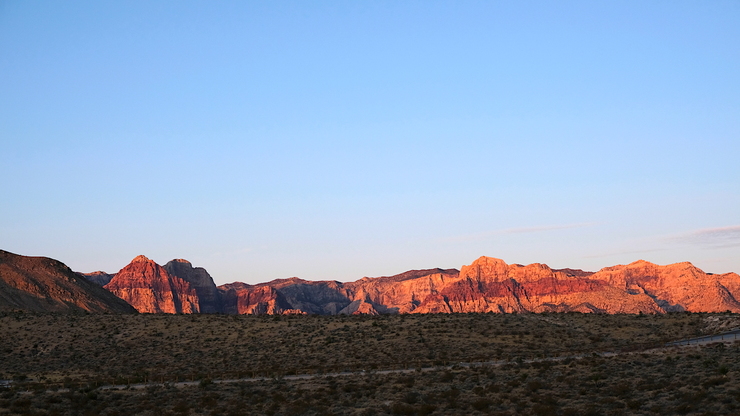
335	140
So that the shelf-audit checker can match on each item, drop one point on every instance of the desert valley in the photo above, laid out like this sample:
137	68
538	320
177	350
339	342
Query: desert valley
359	208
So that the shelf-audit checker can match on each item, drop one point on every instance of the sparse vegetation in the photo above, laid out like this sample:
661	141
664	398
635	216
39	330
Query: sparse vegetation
78	353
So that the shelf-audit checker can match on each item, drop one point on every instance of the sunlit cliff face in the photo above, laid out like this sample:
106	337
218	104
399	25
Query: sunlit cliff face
486	285
150	289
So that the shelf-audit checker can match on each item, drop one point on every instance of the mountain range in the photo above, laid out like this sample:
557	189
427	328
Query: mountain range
486	285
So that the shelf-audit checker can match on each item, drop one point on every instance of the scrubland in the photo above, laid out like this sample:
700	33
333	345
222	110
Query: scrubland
542	364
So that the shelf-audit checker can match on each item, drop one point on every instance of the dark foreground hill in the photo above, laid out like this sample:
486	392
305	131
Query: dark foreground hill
41	284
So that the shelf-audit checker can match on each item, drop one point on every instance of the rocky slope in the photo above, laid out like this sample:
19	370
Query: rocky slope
41	284
149	288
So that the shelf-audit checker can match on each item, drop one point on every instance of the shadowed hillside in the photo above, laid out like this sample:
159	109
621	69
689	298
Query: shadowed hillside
42	284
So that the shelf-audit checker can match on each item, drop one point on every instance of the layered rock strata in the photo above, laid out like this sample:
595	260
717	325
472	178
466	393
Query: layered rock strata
676	287
149	288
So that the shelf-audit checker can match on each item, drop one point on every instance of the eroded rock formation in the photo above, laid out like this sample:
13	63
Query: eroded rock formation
209	298
676	287
241	298
149	288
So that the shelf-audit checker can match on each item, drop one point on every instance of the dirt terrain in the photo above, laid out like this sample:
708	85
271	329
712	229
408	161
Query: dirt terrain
58	364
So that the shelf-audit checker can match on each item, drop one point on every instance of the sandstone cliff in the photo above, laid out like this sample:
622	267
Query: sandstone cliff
491	285
402	293
41	284
150	289
209	298
241	298
676	287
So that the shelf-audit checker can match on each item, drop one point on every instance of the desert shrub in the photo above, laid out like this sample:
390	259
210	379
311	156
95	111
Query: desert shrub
714	381
447	377
534	385
407	381
481	403
541	409
411	397
402	409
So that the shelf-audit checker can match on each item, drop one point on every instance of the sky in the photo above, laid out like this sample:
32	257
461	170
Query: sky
342	139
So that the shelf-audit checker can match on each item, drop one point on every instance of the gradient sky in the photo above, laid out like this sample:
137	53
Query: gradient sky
336	140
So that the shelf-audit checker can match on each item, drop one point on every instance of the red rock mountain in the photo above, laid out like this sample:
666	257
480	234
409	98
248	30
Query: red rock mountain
41	284
486	285
491	285
676	287
149	288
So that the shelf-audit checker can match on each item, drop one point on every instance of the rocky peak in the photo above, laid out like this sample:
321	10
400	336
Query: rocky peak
484	261
485	268
141	258
149	288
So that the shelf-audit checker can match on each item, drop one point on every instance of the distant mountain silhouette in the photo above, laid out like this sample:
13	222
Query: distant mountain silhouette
101	278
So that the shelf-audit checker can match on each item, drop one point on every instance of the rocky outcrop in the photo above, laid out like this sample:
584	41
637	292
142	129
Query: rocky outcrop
241	298
322	297
360	307
402	293
209	297
41	284
149	288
